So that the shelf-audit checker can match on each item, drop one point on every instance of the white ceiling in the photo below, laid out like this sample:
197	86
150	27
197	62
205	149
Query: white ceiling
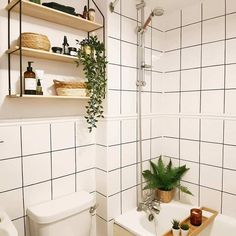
170	5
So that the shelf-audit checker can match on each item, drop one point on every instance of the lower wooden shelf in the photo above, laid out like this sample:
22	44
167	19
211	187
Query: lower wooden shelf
24	96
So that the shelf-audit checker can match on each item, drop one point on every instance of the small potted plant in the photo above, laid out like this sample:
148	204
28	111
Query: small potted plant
164	179
85	46
184	229
175	228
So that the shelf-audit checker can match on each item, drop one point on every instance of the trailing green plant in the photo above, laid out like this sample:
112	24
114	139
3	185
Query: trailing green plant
184	227
175	224
165	177
94	67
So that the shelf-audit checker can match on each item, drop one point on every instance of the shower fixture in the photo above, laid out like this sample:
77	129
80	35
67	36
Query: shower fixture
155	12
112	5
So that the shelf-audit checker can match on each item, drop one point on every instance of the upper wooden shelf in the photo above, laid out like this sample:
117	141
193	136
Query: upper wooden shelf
29	52
58	17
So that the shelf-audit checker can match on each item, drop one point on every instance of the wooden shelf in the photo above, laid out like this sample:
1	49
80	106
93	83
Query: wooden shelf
29	52
58	17
24	96
206	221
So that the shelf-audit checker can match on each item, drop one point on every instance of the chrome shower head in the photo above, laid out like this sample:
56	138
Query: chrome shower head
157	12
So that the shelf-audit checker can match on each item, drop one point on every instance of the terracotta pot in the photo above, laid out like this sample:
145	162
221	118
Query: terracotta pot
164	196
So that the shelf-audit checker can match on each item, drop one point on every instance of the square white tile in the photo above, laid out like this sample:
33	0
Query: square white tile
157	103
190	61
113	158
230	132
192	175
230	157
212	102
114	51
83	183
63	163
191	35
189	150
172	39
113	132
190	102
129	78
211	177
158	60
230	76
37	168
101	179
129	27
146	150
10	136
171	127
10	174
170	147
129	54
114	19
101	157
210	198
63	135
128	102
230	51
189	128
189	199
114	207
63	186
12	203
129	9
212	130
129	198
190	80
85	157
146	123
230	96
129	154
230	6
157	127
159	38
229	186
213	77
128	177
213	30
211	154
128	131
36	142
230	23
191	14
210	9
170	60
170	102
113	103
114	77
113	182
229	209
157	147
146	103
83	137
102	202
213	54
172	20
171	82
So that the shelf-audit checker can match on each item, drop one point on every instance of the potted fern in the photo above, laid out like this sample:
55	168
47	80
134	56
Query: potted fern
164	179
175	228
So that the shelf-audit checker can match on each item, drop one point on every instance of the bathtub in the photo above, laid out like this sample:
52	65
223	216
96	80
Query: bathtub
136	223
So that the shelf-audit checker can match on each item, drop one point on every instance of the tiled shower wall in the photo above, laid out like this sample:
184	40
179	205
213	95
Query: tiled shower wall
44	160
118	167
199	100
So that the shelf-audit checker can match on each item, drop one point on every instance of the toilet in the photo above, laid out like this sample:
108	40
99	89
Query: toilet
66	216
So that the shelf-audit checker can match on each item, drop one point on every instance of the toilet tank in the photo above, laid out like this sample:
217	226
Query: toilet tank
66	216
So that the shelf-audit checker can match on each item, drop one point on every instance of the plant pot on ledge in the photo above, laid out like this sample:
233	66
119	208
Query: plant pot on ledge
164	196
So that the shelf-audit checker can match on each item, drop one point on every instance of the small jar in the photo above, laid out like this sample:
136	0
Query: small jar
91	14
72	51
57	50
196	217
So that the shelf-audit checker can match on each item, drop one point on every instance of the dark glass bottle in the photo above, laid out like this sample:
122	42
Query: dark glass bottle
65	46
30	80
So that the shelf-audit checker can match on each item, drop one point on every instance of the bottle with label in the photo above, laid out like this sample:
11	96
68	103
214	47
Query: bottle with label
30	80
65	46
39	78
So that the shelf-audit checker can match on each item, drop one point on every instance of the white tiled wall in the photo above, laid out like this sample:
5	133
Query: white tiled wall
40	161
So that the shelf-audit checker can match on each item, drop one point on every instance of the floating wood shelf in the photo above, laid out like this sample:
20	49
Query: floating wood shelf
29	52
51	15
24	96
206	221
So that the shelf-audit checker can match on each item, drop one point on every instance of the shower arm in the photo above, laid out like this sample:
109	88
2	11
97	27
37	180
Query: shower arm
112	5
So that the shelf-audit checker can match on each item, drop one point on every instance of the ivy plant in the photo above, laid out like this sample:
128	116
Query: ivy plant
94	67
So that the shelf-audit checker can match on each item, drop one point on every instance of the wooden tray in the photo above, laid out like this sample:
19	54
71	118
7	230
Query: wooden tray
195	230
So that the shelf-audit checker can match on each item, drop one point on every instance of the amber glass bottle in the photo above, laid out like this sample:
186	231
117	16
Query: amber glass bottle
30	80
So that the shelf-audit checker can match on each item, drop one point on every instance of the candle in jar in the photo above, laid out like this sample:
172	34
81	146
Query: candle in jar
196	217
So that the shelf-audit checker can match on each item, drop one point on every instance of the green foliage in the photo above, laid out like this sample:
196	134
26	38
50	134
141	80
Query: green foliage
165	177
175	224
95	74
184	227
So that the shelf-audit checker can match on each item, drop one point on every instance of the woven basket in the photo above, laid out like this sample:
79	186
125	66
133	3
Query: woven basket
70	88
35	41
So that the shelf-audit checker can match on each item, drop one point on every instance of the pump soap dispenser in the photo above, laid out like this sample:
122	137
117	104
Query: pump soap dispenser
30	80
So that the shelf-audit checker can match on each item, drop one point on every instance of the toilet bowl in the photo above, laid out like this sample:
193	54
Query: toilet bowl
68	216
